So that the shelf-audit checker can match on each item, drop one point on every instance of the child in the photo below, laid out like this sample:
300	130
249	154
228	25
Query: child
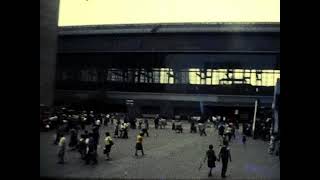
139	144
244	139
108	144
211	156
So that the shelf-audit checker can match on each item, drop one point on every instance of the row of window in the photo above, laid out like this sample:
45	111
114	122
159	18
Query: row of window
183	76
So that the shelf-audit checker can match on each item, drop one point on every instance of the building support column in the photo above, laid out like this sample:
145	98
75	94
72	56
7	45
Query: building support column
49	12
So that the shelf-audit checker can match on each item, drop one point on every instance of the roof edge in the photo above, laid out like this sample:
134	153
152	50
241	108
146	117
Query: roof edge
169	28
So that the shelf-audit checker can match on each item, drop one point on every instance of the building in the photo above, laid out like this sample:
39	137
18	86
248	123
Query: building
168	68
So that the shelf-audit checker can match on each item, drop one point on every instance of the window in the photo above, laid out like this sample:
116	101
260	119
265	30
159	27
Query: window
209	77
193	77
164	78
267	78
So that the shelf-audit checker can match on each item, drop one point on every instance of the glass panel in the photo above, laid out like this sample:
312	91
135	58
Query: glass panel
193	77
164	75
253	78
267	79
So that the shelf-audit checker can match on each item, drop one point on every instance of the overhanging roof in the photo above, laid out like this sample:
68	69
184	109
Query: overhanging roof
171	28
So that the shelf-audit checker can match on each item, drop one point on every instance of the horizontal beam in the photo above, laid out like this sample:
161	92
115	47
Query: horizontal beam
172	51
147	96
171	28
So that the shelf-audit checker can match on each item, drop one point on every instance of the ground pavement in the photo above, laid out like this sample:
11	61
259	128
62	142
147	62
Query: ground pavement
168	156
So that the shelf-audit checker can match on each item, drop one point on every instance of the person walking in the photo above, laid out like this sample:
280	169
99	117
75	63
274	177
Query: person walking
202	129
122	127
193	128
244	139
96	137
59	132
173	124
108	144
62	149
225	156
221	130
125	130
107	119
145	129
139	144
211	159
139	123
91	152
82	146
156	122
73	139
116	131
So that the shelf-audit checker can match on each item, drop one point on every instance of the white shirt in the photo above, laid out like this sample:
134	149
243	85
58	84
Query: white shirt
62	141
98	122
107	140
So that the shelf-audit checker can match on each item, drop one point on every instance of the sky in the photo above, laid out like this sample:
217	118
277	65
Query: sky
98	12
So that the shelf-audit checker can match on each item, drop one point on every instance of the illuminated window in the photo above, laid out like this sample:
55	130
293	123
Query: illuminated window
156	75
164	78
171	76
222	75
209	76
276	76
247	76
253	78
238	74
193	77
136	79
267	78
215	78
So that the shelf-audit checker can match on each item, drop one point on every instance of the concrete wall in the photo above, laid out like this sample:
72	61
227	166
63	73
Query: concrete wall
48	46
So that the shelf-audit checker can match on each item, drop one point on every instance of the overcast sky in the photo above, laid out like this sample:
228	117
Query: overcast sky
92	12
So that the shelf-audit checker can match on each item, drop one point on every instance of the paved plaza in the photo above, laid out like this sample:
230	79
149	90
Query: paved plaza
168	156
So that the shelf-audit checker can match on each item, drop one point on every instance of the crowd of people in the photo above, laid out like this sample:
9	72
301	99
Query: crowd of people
67	121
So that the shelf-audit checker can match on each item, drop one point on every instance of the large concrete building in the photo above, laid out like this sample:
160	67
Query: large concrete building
171	69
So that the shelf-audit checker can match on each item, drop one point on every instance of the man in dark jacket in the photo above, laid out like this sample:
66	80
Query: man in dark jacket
156	122
91	152
96	136
224	155
221	130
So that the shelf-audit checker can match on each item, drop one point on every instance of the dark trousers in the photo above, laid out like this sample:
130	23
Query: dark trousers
203	132
82	152
229	136
193	129
125	134
145	131
224	167
106	121
58	136
91	156
61	156
139	147
82	125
